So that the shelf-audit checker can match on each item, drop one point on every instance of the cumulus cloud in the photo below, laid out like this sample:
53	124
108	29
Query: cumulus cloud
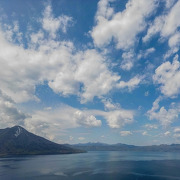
174	40
130	57
169	3
163	115
54	123
13	33
176	132
93	72
167	133
51	123
172	21
51	24
154	28
22	69
146	53
9	113
67	71
116	116
128	60
81	138
125	133
86	120
47	59
168	27
131	84
165	24
151	126
167	75
119	118
121	27
145	133
109	105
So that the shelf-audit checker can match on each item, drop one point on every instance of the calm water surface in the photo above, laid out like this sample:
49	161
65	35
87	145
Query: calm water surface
93	166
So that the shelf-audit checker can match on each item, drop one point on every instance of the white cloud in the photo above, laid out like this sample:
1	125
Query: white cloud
119	118
168	27
167	133
85	73
71	138
127	65
146	93
149	51
51	123
146	53
9	114
163	115
165	24
130	57
177	135
174	40
81	138
125	133
22	69
116	116
86	120
89	68
154	28
13	33
63	117
145	133
51	24
172	20
122	27
128	60
131	84
109	105
151	126
104	9
168	75
93	72
177	132
169	3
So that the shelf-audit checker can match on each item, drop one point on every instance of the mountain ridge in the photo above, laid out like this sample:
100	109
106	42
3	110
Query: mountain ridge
18	141
125	147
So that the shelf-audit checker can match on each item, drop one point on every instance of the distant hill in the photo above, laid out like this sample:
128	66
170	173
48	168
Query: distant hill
125	147
18	141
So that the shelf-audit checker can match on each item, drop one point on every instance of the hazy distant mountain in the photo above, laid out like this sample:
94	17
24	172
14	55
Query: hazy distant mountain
124	147
18	141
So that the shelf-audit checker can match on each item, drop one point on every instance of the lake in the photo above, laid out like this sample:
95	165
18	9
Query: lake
110	165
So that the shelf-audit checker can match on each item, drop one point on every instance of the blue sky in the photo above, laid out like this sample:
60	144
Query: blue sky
87	71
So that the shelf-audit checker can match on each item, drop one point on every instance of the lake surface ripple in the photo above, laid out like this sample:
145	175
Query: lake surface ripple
112	165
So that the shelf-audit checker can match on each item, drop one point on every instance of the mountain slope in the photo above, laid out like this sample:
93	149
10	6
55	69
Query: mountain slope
125	147
18	141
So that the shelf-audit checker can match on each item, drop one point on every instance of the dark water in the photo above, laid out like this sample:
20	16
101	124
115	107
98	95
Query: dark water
93	166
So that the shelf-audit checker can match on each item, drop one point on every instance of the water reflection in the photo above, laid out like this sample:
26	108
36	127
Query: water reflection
92	165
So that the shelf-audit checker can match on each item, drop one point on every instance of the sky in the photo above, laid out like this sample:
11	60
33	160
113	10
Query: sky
91	70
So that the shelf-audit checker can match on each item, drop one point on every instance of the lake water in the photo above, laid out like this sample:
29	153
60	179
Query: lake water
113	165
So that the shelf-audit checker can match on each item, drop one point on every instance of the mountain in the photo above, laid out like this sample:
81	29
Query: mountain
124	147
18	141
